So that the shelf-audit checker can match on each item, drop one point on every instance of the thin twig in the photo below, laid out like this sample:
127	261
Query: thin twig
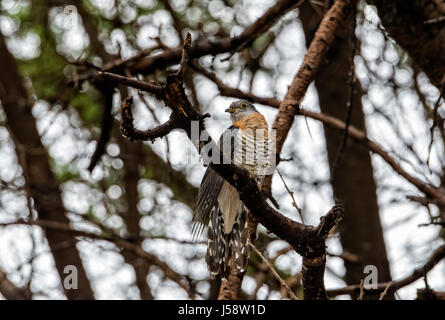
435	20
433	126
291	193
275	273
362	290
385	291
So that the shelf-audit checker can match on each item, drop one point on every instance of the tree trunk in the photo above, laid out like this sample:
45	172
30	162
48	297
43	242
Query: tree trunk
360	230
132	154
41	184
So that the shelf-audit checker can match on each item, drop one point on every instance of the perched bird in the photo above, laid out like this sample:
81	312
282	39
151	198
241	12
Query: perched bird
219	206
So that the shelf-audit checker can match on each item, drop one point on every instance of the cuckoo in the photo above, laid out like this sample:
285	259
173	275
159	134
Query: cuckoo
219	206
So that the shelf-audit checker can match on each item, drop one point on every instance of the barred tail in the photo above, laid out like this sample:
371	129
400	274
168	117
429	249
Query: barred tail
227	250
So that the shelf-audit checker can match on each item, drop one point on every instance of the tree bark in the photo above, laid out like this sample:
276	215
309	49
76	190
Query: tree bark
132	159
360	231
41	184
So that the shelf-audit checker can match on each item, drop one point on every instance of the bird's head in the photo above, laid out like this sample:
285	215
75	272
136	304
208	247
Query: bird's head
239	109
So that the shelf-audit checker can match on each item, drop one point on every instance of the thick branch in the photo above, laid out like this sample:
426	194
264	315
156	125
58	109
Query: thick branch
9	290
152	88
133	134
324	36
132	216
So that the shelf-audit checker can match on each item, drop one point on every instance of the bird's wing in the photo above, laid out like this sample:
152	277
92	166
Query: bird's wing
211	184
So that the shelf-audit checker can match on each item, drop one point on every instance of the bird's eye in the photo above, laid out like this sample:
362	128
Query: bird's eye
243	105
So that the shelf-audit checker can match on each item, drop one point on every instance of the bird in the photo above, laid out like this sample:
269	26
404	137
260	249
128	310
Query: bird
218	205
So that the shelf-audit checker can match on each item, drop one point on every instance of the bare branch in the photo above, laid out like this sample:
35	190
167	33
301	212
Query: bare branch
152	88
393	286
9	290
105	127
120	242
275	273
324	36
433	126
133	134
185	55
146	64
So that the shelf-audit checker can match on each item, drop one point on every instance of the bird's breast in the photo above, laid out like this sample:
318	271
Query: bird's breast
253	150
252	122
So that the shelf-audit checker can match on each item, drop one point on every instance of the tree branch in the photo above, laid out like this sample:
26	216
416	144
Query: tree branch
9	290
152	88
133	134
393	286
223	45
120	242
106	125
172	56
324	36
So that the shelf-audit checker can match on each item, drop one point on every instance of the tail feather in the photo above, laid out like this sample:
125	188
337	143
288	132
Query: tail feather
227	250
216	243
239	243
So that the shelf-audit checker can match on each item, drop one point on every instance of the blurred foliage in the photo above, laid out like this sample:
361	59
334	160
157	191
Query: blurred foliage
89	105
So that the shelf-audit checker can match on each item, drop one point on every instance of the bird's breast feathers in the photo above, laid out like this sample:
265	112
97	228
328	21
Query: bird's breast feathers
252	122
253	150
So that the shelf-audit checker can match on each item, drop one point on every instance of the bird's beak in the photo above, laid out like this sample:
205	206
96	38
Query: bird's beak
230	110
